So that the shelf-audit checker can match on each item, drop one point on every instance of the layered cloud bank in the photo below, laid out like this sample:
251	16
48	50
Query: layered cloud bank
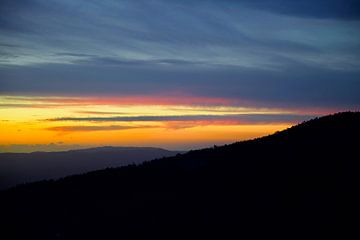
166	122
160	72
273	52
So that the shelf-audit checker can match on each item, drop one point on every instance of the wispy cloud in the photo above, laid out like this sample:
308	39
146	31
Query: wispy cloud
207	32
93	128
101	113
178	98
201	123
322	9
276	52
246	118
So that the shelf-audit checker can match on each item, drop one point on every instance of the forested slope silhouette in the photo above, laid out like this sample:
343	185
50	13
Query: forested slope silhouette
295	184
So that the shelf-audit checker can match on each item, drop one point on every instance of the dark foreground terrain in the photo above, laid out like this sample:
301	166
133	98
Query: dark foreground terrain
301	183
17	168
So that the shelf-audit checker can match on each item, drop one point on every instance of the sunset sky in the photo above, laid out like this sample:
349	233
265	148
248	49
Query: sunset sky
169	73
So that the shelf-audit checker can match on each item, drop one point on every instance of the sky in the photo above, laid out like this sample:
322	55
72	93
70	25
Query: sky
169	73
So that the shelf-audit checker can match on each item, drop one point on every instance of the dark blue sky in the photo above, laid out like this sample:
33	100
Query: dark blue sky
274	53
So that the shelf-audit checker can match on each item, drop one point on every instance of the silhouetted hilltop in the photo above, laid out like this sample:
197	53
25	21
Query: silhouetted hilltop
17	168
300	183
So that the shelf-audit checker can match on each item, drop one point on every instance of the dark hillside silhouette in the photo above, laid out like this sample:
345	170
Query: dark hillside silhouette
301	183
18	168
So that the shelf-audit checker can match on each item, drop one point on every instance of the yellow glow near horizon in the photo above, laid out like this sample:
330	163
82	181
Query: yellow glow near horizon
35	120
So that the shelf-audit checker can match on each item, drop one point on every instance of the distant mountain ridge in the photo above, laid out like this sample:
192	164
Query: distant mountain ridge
301	183
16	168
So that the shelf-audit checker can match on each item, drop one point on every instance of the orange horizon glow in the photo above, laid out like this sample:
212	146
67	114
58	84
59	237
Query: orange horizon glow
168	122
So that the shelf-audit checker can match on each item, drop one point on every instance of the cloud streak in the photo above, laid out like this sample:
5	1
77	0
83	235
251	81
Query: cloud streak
101	113
93	128
246	118
322	9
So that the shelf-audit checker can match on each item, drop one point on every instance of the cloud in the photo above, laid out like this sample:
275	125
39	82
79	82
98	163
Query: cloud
28	105
15	105
334	9
101	113
169	99
74	54
294	86
274	53
9	45
206	32
108	61
214	122
245	118
93	128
